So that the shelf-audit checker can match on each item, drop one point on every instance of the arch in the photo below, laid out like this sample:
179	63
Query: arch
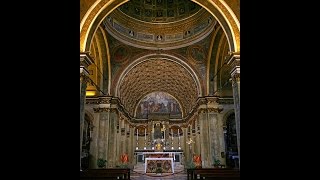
132	75
226	116
163	56
219	9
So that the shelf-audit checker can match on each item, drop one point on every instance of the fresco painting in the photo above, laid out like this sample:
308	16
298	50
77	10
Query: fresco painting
158	102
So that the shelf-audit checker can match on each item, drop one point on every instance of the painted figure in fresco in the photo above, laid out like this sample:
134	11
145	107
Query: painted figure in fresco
158	102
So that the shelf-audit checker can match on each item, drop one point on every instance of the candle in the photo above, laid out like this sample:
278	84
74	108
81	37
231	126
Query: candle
164	134
171	134
137	134
179	134
145	133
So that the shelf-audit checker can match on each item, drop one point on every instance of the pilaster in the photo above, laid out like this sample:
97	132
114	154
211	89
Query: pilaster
103	111
234	62
85	61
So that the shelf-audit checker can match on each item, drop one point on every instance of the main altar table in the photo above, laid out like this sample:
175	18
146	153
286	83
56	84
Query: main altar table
151	165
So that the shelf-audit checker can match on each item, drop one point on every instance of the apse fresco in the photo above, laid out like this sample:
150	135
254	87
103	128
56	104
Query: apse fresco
158	102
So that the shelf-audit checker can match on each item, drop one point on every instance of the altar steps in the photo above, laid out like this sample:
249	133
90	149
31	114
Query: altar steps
138	173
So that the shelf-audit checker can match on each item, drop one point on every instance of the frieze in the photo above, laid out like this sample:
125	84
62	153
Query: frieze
105	100
225	100
92	101
212	100
99	110
202	101
216	110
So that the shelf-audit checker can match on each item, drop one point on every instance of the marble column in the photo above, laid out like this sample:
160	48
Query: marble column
85	61
234	62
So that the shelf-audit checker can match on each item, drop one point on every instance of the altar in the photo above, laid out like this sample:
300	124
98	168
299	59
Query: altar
154	162
153	165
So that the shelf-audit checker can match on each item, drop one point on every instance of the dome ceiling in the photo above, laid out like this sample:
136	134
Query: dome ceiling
159	11
159	24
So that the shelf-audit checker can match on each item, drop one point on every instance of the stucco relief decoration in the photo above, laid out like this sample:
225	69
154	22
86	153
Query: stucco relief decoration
197	54
158	102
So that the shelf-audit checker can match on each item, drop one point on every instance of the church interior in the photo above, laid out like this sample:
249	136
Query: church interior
159	85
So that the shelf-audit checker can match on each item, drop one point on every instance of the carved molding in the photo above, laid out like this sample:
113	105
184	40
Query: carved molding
99	110
234	62
85	60
212	100
215	110
105	100
84	76
92	100
225	100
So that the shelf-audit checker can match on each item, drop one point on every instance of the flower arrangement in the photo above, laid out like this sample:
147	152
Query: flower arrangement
191	165
101	163
216	162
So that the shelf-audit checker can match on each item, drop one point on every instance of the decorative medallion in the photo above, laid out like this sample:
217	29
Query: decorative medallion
197	54
120	54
